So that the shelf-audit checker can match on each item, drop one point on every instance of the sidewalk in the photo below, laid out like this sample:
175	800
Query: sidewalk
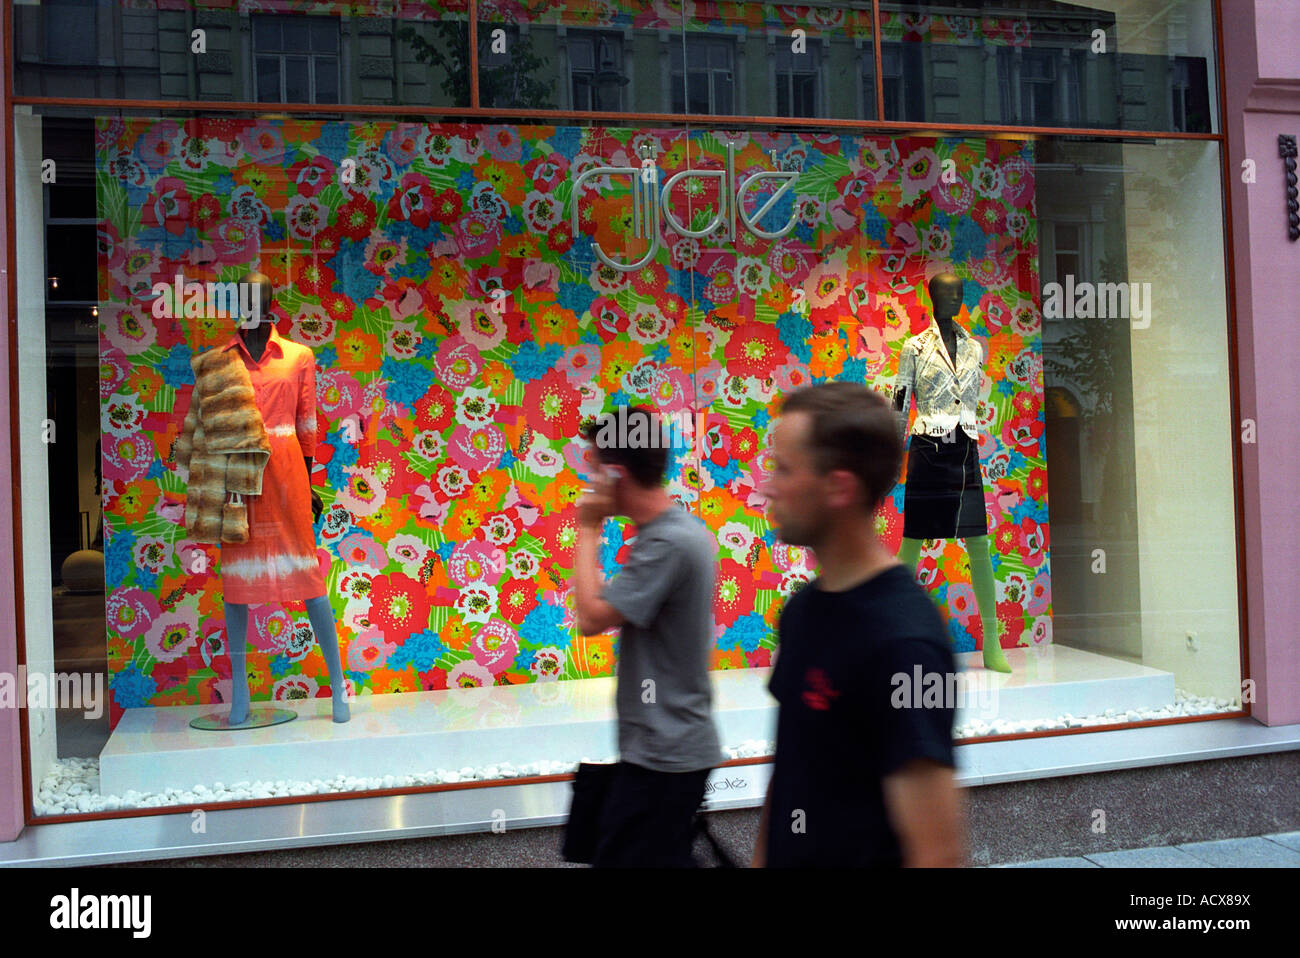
1279	850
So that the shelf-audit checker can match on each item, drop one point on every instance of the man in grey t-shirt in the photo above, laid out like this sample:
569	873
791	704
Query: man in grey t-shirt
662	603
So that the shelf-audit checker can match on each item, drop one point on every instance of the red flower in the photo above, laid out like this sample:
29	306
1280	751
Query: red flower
169	207
205	211
759	658
313	276
991	216
551	405
560	238
446	207
754	349
309	177
517	598
412	201
1036	486
399	606
650	280
733	592
357	218
434	410
432	680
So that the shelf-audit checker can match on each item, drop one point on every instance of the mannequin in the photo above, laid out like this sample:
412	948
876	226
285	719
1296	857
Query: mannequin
941	369
278	562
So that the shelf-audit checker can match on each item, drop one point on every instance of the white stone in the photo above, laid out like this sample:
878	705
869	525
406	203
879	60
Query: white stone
451	777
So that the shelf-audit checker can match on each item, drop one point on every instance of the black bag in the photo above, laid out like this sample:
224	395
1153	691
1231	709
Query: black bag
581	832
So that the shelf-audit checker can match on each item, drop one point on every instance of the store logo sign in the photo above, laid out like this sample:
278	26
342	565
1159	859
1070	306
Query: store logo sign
651	207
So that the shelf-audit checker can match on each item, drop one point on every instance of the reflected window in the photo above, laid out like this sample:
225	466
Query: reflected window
596	75
704	81
296	59
796	80
1039	87
71	32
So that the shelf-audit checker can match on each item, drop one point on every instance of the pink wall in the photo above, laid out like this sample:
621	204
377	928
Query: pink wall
1262	70
11	790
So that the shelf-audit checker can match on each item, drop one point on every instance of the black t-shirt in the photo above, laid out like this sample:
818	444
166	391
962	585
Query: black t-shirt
848	718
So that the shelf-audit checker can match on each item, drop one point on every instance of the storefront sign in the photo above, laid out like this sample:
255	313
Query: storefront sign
650	205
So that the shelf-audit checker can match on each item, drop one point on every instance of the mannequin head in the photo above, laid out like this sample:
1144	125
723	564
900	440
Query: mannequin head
945	295
259	300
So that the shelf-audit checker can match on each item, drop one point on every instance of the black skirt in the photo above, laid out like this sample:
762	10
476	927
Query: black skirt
944	495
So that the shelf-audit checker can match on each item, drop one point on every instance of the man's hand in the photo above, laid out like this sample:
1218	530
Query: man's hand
596	505
924	807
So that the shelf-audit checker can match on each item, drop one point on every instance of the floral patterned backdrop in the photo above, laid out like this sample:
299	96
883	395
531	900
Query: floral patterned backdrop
462	331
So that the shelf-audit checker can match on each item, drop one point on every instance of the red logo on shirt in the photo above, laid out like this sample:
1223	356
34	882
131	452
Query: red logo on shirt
819	693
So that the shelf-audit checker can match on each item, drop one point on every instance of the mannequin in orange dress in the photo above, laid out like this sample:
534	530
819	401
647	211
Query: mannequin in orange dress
278	562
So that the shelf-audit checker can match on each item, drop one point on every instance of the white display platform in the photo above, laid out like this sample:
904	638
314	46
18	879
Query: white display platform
153	749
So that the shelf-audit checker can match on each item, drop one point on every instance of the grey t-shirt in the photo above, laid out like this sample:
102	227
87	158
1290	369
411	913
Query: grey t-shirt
665	594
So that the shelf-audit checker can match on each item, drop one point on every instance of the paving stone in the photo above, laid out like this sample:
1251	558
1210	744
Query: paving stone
1244	853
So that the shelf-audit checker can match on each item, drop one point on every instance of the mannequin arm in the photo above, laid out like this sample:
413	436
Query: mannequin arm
316	504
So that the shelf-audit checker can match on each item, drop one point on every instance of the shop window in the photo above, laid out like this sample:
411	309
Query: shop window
72	32
703	75
596	73
296	59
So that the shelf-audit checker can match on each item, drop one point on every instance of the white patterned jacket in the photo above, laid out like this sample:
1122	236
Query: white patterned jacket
946	395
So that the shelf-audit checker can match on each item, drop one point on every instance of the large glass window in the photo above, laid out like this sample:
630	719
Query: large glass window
469	293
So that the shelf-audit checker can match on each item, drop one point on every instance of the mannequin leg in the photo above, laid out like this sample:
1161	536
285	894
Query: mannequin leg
909	553
236	642
981	573
327	636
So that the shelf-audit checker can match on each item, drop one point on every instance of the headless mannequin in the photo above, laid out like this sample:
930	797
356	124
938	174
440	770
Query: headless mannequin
319	612
946	297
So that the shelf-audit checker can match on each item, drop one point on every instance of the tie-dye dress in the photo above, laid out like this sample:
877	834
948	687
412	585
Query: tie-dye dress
279	561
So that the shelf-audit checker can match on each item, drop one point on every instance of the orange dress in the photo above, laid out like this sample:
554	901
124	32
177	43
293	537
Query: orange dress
278	562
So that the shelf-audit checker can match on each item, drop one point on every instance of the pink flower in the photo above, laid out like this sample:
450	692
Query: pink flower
131	611
495	646
457	363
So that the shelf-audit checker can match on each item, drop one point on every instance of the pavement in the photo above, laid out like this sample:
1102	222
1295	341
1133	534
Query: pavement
1279	850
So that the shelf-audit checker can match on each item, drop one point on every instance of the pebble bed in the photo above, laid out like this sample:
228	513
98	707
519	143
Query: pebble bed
72	785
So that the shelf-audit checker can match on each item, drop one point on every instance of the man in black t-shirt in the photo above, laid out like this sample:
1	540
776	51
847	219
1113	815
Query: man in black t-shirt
863	772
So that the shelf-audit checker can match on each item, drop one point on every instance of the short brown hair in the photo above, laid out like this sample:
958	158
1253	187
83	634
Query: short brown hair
853	428
646	461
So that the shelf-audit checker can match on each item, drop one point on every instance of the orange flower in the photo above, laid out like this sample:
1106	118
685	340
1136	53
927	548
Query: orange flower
385	521
560	493
615	361
488	489
145	382
555	324
205	333
356	349
598	654
464	519
734	659
446	278
828	355
717	506
778	296
507	179
259	674
135	501
391	682
455	634
683	343
211	600
519	246
180	695
497	376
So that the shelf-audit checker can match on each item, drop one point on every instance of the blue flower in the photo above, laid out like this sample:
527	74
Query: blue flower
513	225
423	650
972	293
566	140
332	142
274	230
1005	386
660	353
544	625
169	244
761	419
874	225
131	688
144	579
465	182
352	279
589	335
619	398
326	356
722	474
407	381
524	660
118	558
280	665
747	632
962	641
968	243
176	369
794	332
610	543
529	362
428	347
156	470
855	371
223	185
507	460
577	297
